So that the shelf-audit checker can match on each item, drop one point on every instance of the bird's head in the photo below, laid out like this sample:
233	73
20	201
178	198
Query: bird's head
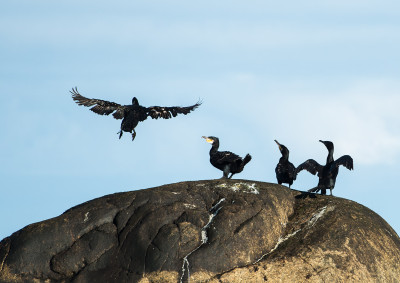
135	101
211	139
328	144
283	149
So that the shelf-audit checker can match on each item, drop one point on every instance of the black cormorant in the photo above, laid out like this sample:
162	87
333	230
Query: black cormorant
132	114
285	170
226	161
327	174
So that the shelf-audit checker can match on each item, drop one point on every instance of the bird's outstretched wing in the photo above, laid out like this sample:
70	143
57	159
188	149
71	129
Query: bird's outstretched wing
156	112
346	161
101	107
311	166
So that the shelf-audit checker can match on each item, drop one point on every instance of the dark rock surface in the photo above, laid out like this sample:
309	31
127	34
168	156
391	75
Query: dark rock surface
215	231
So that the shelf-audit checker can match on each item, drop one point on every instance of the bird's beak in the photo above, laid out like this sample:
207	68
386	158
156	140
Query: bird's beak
278	144
322	141
208	139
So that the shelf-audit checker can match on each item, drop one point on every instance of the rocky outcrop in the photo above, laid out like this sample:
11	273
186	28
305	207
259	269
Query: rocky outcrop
206	231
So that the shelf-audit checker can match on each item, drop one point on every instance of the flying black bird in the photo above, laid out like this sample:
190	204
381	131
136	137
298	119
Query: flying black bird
226	161
327	174
132	114
285	170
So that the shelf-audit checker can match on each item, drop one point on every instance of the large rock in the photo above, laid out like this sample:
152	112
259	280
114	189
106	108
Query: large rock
215	231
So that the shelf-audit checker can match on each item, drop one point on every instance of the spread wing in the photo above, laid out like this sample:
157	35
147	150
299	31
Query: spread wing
311	166
101	107
346	161
156	112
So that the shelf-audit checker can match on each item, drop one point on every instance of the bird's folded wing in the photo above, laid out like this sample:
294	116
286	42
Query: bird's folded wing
101	107
346	161
287	167
226	156
292	171
280	168
156	112
311	166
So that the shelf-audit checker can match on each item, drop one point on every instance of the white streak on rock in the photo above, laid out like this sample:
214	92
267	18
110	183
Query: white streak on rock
186	263
241	187
389	232
310	223
280	241
86	217
204	238
189	205
222	186
315	217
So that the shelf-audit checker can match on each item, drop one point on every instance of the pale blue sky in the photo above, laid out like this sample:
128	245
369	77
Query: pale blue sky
292	71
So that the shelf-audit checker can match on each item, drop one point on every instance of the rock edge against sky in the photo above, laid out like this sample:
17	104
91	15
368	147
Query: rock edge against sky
213	230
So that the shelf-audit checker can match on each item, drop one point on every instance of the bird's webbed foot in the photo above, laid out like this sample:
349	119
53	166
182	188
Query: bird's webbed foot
120	134
133	135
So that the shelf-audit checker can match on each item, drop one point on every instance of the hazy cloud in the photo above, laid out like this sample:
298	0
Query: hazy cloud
362	119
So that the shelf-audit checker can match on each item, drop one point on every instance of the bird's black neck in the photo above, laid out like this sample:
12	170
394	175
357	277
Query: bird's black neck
330	159
284	159
214	147
285	155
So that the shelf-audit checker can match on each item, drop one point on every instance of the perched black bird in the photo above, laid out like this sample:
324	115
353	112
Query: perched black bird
226	161
132	114
327	174
285	170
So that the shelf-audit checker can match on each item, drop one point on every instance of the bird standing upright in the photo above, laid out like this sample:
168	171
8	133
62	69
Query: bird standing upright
226	161
285	170
327	174
132	114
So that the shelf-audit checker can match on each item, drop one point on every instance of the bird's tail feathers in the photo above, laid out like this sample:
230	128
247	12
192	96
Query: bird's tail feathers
242	162
246	159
